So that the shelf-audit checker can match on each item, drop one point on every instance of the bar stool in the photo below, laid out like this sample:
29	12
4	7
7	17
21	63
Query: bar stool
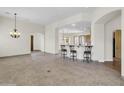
63	51
73	52
87	54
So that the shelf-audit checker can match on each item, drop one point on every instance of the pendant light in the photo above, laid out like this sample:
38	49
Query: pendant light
15	34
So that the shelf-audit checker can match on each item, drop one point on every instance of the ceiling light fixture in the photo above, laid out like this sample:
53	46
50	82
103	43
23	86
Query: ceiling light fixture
15	34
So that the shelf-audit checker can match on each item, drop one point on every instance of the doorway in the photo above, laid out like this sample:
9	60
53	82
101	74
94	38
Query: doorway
32	42
117	50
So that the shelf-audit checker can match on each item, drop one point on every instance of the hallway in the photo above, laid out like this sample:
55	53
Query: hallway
37	69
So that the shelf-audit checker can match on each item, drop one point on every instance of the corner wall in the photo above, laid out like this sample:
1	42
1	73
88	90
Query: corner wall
97	38
50	39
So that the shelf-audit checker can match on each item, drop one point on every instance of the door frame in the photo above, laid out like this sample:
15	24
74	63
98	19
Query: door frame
115	59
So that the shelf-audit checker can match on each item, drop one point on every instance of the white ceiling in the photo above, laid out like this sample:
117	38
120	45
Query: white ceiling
79	27
43	15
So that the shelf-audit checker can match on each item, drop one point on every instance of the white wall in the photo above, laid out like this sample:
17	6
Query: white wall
98	42
42	42
50	39
10	46
110	27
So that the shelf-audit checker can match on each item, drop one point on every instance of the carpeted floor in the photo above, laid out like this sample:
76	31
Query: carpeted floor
37	69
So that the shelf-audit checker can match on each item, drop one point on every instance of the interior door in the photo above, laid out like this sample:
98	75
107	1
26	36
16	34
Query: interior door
32	42
118	44
117	59
114	45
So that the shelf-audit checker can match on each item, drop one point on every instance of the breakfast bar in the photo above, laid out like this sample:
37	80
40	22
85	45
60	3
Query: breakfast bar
80	51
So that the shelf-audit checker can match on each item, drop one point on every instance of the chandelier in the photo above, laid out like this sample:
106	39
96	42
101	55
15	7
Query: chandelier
15	34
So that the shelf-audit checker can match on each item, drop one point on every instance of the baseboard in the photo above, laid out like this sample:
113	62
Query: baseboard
16	55
54	53
108	61
37	50
51	53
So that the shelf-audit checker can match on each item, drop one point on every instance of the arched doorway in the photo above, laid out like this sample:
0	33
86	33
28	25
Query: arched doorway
102	48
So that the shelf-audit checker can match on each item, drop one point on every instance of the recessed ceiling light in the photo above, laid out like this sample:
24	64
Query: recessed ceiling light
73	24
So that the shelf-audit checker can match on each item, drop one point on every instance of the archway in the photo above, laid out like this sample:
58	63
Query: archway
99	34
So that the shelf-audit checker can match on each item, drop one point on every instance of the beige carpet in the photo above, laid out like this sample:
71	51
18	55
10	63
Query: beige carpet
37	69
